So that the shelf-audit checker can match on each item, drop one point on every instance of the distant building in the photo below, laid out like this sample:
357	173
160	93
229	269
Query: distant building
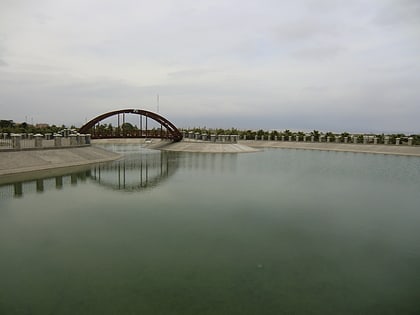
42	126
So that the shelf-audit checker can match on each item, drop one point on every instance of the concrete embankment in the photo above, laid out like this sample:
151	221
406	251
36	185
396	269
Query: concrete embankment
343	147
208	147
253	146
38	160
183	146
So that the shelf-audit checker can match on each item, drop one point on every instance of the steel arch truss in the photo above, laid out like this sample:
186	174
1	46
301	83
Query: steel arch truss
170	132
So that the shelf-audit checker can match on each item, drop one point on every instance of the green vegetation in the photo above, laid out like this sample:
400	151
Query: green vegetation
8	126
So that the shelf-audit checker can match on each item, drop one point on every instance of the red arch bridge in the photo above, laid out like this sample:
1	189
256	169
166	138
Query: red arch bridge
165	129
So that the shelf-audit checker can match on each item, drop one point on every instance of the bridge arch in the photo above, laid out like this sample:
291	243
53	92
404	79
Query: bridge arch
170	132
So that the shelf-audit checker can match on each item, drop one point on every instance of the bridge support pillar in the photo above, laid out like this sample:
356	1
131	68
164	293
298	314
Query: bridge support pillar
397	141
346	139
386	140
213	138
354	139
375	140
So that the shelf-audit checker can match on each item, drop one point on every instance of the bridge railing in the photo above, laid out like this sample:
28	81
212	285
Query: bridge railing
132	134
40	141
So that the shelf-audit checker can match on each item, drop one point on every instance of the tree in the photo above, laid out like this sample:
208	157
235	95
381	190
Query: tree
316	134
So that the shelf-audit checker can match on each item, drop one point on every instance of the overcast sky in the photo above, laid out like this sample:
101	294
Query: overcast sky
272	64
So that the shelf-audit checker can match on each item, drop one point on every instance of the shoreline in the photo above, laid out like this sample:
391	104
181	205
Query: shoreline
43	162
402	150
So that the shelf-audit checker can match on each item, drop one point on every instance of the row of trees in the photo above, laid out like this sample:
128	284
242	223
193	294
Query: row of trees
8	126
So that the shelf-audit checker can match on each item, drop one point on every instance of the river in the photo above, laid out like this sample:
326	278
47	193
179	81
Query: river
274	232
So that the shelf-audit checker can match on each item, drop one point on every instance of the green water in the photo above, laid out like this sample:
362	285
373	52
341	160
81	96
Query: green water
273	232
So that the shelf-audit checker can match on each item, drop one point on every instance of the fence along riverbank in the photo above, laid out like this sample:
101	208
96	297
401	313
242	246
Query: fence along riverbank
350	139
16	142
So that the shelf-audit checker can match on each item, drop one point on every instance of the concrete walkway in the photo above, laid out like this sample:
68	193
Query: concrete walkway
36	160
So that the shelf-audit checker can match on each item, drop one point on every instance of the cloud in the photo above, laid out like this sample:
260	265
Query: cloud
403	12
241	63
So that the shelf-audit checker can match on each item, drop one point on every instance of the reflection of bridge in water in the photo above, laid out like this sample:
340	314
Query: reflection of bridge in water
136	172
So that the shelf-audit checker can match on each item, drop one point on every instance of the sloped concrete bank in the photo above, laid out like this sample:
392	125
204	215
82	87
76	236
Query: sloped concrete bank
183	146
16	162
342	147
207	147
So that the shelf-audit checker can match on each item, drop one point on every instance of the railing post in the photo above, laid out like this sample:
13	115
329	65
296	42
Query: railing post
38	140
82	139
57	140
16	141
73	140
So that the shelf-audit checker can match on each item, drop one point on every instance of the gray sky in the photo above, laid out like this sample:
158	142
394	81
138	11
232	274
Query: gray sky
271	64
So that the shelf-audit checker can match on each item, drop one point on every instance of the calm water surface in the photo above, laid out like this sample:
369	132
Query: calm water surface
273	232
